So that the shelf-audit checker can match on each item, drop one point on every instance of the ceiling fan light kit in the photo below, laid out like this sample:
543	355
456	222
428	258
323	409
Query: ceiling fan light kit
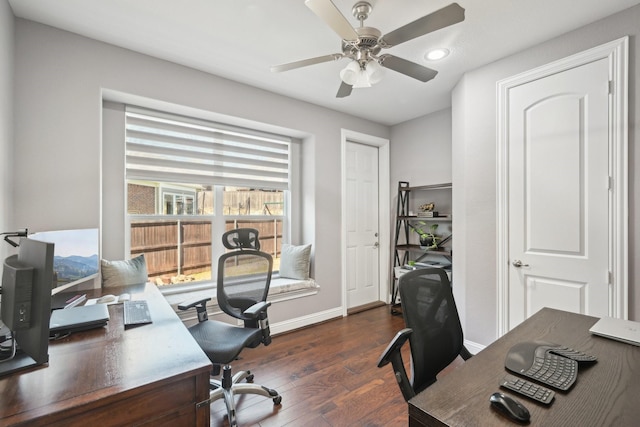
352	73
375	71
362	75
364	44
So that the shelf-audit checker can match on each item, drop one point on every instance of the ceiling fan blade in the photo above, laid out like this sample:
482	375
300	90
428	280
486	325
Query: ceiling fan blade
329	13
407	68
444	17
344	90
306	62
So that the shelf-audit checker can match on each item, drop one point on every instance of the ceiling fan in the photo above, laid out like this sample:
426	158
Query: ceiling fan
363	45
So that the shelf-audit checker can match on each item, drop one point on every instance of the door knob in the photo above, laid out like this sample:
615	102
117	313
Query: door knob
376	245
518	263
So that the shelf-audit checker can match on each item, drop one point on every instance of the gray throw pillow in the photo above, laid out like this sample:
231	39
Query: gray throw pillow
122	273
295	261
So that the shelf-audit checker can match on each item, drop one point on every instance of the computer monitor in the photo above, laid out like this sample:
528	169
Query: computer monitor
76	256
26	305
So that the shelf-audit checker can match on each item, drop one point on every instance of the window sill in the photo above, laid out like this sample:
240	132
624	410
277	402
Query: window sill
281	289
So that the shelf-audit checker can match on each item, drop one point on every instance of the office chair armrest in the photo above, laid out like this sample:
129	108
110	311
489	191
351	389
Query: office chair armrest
393	354
257	313
257	309
201	307
186	305
394	346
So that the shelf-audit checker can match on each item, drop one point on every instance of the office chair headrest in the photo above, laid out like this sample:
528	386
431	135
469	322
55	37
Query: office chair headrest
241	238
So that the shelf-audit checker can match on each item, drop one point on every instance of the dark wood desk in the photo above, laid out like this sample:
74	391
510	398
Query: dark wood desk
152	374
605	394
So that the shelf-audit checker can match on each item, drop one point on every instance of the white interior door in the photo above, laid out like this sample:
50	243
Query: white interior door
362	229
559	232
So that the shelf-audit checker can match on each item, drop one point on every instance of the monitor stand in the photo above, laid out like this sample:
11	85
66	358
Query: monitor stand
19	362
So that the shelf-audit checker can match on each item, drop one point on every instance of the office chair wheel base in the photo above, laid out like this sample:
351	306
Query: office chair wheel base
277	399
231	419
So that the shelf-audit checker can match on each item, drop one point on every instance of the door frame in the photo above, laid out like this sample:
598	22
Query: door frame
617	53
384	216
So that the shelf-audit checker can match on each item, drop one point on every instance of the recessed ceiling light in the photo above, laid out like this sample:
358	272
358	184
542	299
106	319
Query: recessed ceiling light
436	54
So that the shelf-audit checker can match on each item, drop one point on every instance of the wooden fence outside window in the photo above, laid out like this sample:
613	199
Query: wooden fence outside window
183	247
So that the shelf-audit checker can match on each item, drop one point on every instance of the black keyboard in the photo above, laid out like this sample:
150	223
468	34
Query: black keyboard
576	355
554	370
540	362
526	388
136	313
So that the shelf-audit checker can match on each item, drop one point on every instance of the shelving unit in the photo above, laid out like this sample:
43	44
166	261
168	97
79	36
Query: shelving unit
404	250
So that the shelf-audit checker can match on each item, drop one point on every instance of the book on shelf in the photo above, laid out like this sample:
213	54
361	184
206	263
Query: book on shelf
433	215
427	214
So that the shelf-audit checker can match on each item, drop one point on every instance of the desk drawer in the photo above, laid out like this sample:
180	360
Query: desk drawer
172	403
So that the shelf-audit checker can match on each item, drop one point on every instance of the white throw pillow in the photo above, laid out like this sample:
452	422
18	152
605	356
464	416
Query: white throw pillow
295	261
122	273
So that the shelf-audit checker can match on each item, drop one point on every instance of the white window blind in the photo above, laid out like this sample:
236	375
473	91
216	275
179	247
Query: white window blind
172	148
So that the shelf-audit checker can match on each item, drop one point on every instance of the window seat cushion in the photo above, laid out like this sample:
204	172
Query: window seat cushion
281	285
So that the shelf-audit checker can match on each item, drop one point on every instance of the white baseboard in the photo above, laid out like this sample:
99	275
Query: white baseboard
473	347
301	322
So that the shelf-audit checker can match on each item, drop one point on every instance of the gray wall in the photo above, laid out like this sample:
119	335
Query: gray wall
474	167
60	79
6	121
421	151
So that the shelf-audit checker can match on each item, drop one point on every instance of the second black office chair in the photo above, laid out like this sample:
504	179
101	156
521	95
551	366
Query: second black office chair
432	328
244	276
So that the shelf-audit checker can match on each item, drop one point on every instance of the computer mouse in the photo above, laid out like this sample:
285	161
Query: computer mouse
124	297
105	299
510	407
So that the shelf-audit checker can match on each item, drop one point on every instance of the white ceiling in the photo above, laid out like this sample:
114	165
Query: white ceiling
241	39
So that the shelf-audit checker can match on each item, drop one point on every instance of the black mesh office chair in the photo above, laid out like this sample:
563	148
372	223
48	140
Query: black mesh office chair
432	328
241	238
244	275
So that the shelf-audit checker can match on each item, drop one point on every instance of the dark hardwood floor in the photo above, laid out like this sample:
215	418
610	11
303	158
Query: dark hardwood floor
327	375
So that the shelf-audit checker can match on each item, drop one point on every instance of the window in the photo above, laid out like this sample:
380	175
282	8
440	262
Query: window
177	204
188	181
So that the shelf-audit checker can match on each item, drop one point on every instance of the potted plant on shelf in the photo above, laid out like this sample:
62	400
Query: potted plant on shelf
428	239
